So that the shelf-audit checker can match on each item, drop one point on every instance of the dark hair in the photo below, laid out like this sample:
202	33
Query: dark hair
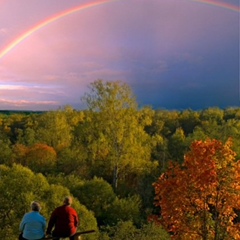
35	206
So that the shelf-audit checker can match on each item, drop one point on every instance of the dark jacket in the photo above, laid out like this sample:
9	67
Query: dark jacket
65	220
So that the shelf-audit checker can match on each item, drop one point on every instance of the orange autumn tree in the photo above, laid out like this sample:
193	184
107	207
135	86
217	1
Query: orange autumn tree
41	158
200	199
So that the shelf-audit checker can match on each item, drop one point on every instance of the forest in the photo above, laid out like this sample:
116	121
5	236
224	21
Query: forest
134	173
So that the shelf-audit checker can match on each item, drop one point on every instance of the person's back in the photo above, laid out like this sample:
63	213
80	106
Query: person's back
64	219
33	224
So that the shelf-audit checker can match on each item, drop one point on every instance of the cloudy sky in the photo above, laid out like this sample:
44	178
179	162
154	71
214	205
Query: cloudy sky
174	54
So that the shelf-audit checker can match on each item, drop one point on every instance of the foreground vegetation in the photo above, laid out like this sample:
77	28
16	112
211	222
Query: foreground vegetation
110	158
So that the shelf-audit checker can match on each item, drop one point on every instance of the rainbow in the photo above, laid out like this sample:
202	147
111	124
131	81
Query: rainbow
14	43
17	41
219	4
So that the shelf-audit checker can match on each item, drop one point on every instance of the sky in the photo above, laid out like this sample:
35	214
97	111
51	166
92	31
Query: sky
174	54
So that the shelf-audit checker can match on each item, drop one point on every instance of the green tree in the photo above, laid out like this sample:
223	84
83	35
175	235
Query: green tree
113	136
124	209
159	148
72	160
188	120
12	126
153	231
170	120
230	113
177	145
72	182
123	230
26	131
5	152
97	195
54	130
126	230
212	115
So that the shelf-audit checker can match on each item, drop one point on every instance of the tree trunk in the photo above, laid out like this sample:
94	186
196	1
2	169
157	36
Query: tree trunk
115	177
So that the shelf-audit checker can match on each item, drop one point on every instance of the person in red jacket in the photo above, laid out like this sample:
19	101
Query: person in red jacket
64	220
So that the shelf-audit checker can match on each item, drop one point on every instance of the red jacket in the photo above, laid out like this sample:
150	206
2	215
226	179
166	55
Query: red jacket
65	220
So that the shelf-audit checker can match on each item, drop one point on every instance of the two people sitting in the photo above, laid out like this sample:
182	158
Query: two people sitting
64	221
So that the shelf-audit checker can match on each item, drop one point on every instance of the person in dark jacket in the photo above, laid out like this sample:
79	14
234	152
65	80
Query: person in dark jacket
64	221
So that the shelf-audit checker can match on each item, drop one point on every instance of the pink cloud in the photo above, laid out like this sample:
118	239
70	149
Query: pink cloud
27	105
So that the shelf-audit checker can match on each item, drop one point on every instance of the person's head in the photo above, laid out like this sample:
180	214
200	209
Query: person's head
67	200
35	206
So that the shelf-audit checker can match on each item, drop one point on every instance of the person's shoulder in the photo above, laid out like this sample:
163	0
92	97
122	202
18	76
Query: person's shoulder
41	215
28	214
72	209
43	218
59	207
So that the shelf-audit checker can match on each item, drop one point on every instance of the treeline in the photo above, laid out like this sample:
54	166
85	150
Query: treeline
107	156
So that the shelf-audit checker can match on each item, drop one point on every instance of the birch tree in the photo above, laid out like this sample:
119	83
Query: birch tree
115	139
